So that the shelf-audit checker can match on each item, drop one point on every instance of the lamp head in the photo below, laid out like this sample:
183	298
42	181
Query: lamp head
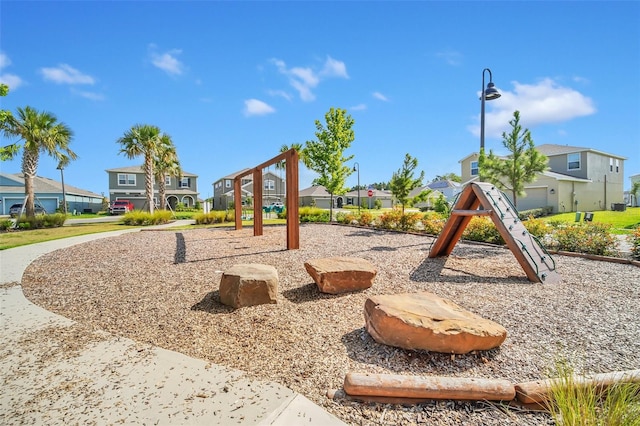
491	92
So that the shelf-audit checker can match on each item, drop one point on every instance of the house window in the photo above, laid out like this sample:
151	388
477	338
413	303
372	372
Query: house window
185	182
573	161
474	168
610	164
167	180
227	183
126	179
245	181
269	185
617	166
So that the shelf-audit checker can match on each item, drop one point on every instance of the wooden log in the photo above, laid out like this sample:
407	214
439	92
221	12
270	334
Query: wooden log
538	391
397	386
471	212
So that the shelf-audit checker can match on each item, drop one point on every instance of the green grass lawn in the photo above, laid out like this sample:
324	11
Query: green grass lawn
22	238
622	222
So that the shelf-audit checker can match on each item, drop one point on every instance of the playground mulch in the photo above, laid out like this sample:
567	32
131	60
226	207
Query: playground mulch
161	288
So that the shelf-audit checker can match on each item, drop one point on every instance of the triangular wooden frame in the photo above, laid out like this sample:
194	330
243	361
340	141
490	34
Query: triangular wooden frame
484	199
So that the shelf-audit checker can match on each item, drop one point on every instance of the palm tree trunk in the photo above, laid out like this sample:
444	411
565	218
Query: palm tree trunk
162	189
148	166
29	168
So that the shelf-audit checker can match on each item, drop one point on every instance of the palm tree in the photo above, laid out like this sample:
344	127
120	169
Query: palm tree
41	133
165	163
142	139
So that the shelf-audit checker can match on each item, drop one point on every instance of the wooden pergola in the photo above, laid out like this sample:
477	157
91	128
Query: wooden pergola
292	197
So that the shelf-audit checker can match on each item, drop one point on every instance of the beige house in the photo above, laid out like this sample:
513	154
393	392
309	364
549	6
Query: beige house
319	197
578	179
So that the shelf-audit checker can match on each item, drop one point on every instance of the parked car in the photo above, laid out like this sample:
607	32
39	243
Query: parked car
15	210
121	207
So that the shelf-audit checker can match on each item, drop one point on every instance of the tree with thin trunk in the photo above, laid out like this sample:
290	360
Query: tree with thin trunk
635	190
513	172
325	155
7	152
403	182
165	164
142	140
41	133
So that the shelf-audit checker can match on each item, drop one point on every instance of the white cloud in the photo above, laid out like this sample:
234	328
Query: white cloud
542	103
359	107
305	79
66	74
333	68
257	107
280	93
166	61
89	95
380	96
451	57
11	80
4	60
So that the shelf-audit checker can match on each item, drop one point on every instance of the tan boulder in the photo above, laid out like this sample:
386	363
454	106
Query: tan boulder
249	284
426	321
341	274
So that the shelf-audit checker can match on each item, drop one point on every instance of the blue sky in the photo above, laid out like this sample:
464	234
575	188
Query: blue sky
231	82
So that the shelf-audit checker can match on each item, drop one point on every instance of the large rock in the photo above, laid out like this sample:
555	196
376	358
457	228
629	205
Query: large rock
341	274
249	284
426	321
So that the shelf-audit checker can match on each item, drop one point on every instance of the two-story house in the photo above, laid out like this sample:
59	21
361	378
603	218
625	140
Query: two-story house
129	183
274	189
578	179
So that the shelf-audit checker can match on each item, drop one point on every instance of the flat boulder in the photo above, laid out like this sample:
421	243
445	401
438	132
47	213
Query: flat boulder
336	275
249	284
428	322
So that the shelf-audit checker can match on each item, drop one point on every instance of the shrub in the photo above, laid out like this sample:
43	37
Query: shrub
408	221
482	229
217	216
390	219
432	223
365	219
313	214
140	218
6	224
441	205
585	237
346	218
537	227
634	239
41	221
377	204
539	212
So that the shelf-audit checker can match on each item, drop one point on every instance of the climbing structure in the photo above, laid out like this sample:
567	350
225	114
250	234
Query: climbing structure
484	199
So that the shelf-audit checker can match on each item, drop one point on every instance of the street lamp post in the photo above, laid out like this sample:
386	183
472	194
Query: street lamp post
64	195
489	94
356	167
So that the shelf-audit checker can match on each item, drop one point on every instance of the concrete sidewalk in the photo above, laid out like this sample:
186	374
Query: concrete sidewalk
56	371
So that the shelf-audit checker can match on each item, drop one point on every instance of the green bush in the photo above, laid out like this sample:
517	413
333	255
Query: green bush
634	239
41	221
539	212
6	224
408	221
441	205
140	218
346	218
585	237
377	204
536	227
390	219
432	223
482	229
216	216
313	214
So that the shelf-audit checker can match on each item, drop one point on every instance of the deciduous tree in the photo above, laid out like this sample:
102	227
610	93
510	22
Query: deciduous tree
403	182
513	172
325	155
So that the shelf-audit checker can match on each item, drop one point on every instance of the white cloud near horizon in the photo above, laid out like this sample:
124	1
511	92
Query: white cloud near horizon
66	74
541	103
167	61
257	107
305	79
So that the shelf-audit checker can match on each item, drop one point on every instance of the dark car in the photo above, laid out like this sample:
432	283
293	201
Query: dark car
15	210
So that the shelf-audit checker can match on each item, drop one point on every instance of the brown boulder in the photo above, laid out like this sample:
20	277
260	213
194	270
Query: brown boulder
249	284
426	321
341	274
